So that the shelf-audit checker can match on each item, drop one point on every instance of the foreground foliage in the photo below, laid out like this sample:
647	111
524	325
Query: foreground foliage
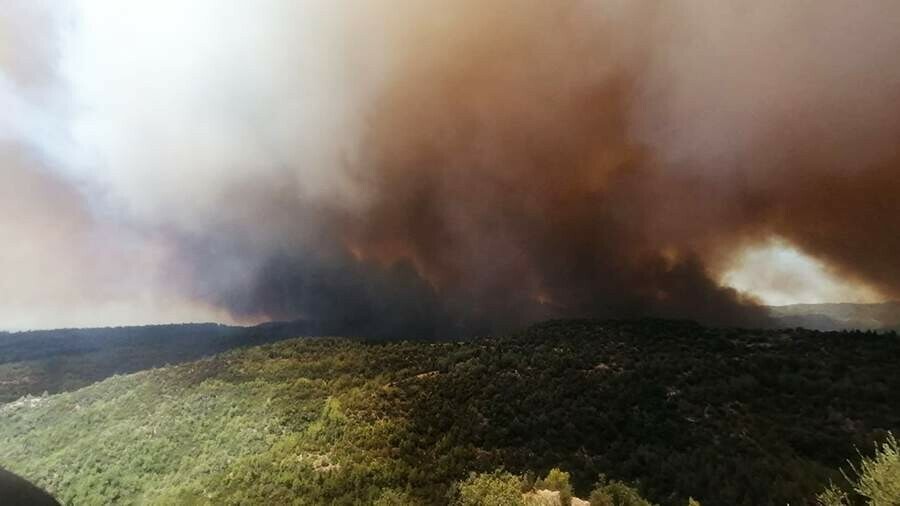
876	480
726	416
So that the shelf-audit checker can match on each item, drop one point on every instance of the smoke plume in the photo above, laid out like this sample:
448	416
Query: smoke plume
423	168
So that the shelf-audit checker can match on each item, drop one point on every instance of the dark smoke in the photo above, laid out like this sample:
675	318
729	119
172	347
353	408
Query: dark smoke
421	169
505	187
509	183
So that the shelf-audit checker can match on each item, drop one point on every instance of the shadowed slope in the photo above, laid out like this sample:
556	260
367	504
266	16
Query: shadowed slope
17	491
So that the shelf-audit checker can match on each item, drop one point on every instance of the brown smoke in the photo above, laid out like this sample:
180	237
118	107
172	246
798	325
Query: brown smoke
505	173
596	159
466	166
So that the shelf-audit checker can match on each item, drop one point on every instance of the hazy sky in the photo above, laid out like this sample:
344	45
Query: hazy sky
466	161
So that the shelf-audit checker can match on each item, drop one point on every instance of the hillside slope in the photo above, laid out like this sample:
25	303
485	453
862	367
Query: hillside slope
727	416
66	359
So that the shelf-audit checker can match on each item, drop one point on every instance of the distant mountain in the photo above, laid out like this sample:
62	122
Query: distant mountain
884	316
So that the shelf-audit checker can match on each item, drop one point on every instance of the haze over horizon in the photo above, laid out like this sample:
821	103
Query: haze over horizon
438	170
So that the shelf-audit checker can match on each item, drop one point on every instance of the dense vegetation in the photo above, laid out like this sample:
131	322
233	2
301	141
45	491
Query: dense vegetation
676	410
67	359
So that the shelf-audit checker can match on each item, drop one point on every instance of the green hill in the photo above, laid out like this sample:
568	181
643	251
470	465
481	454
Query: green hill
726	416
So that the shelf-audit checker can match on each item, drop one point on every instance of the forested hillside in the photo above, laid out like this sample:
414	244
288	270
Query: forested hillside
730	417
67	359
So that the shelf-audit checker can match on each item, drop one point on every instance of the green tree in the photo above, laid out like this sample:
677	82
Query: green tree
616	493
394	497
490	489
528	481
558	480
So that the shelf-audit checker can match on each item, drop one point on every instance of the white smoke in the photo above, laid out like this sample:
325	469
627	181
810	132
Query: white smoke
184	104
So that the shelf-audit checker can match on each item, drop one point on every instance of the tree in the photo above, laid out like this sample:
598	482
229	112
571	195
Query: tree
558	480
616	493
490	489
394	497
528	481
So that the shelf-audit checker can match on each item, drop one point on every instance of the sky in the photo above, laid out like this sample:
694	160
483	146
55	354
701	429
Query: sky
434	167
